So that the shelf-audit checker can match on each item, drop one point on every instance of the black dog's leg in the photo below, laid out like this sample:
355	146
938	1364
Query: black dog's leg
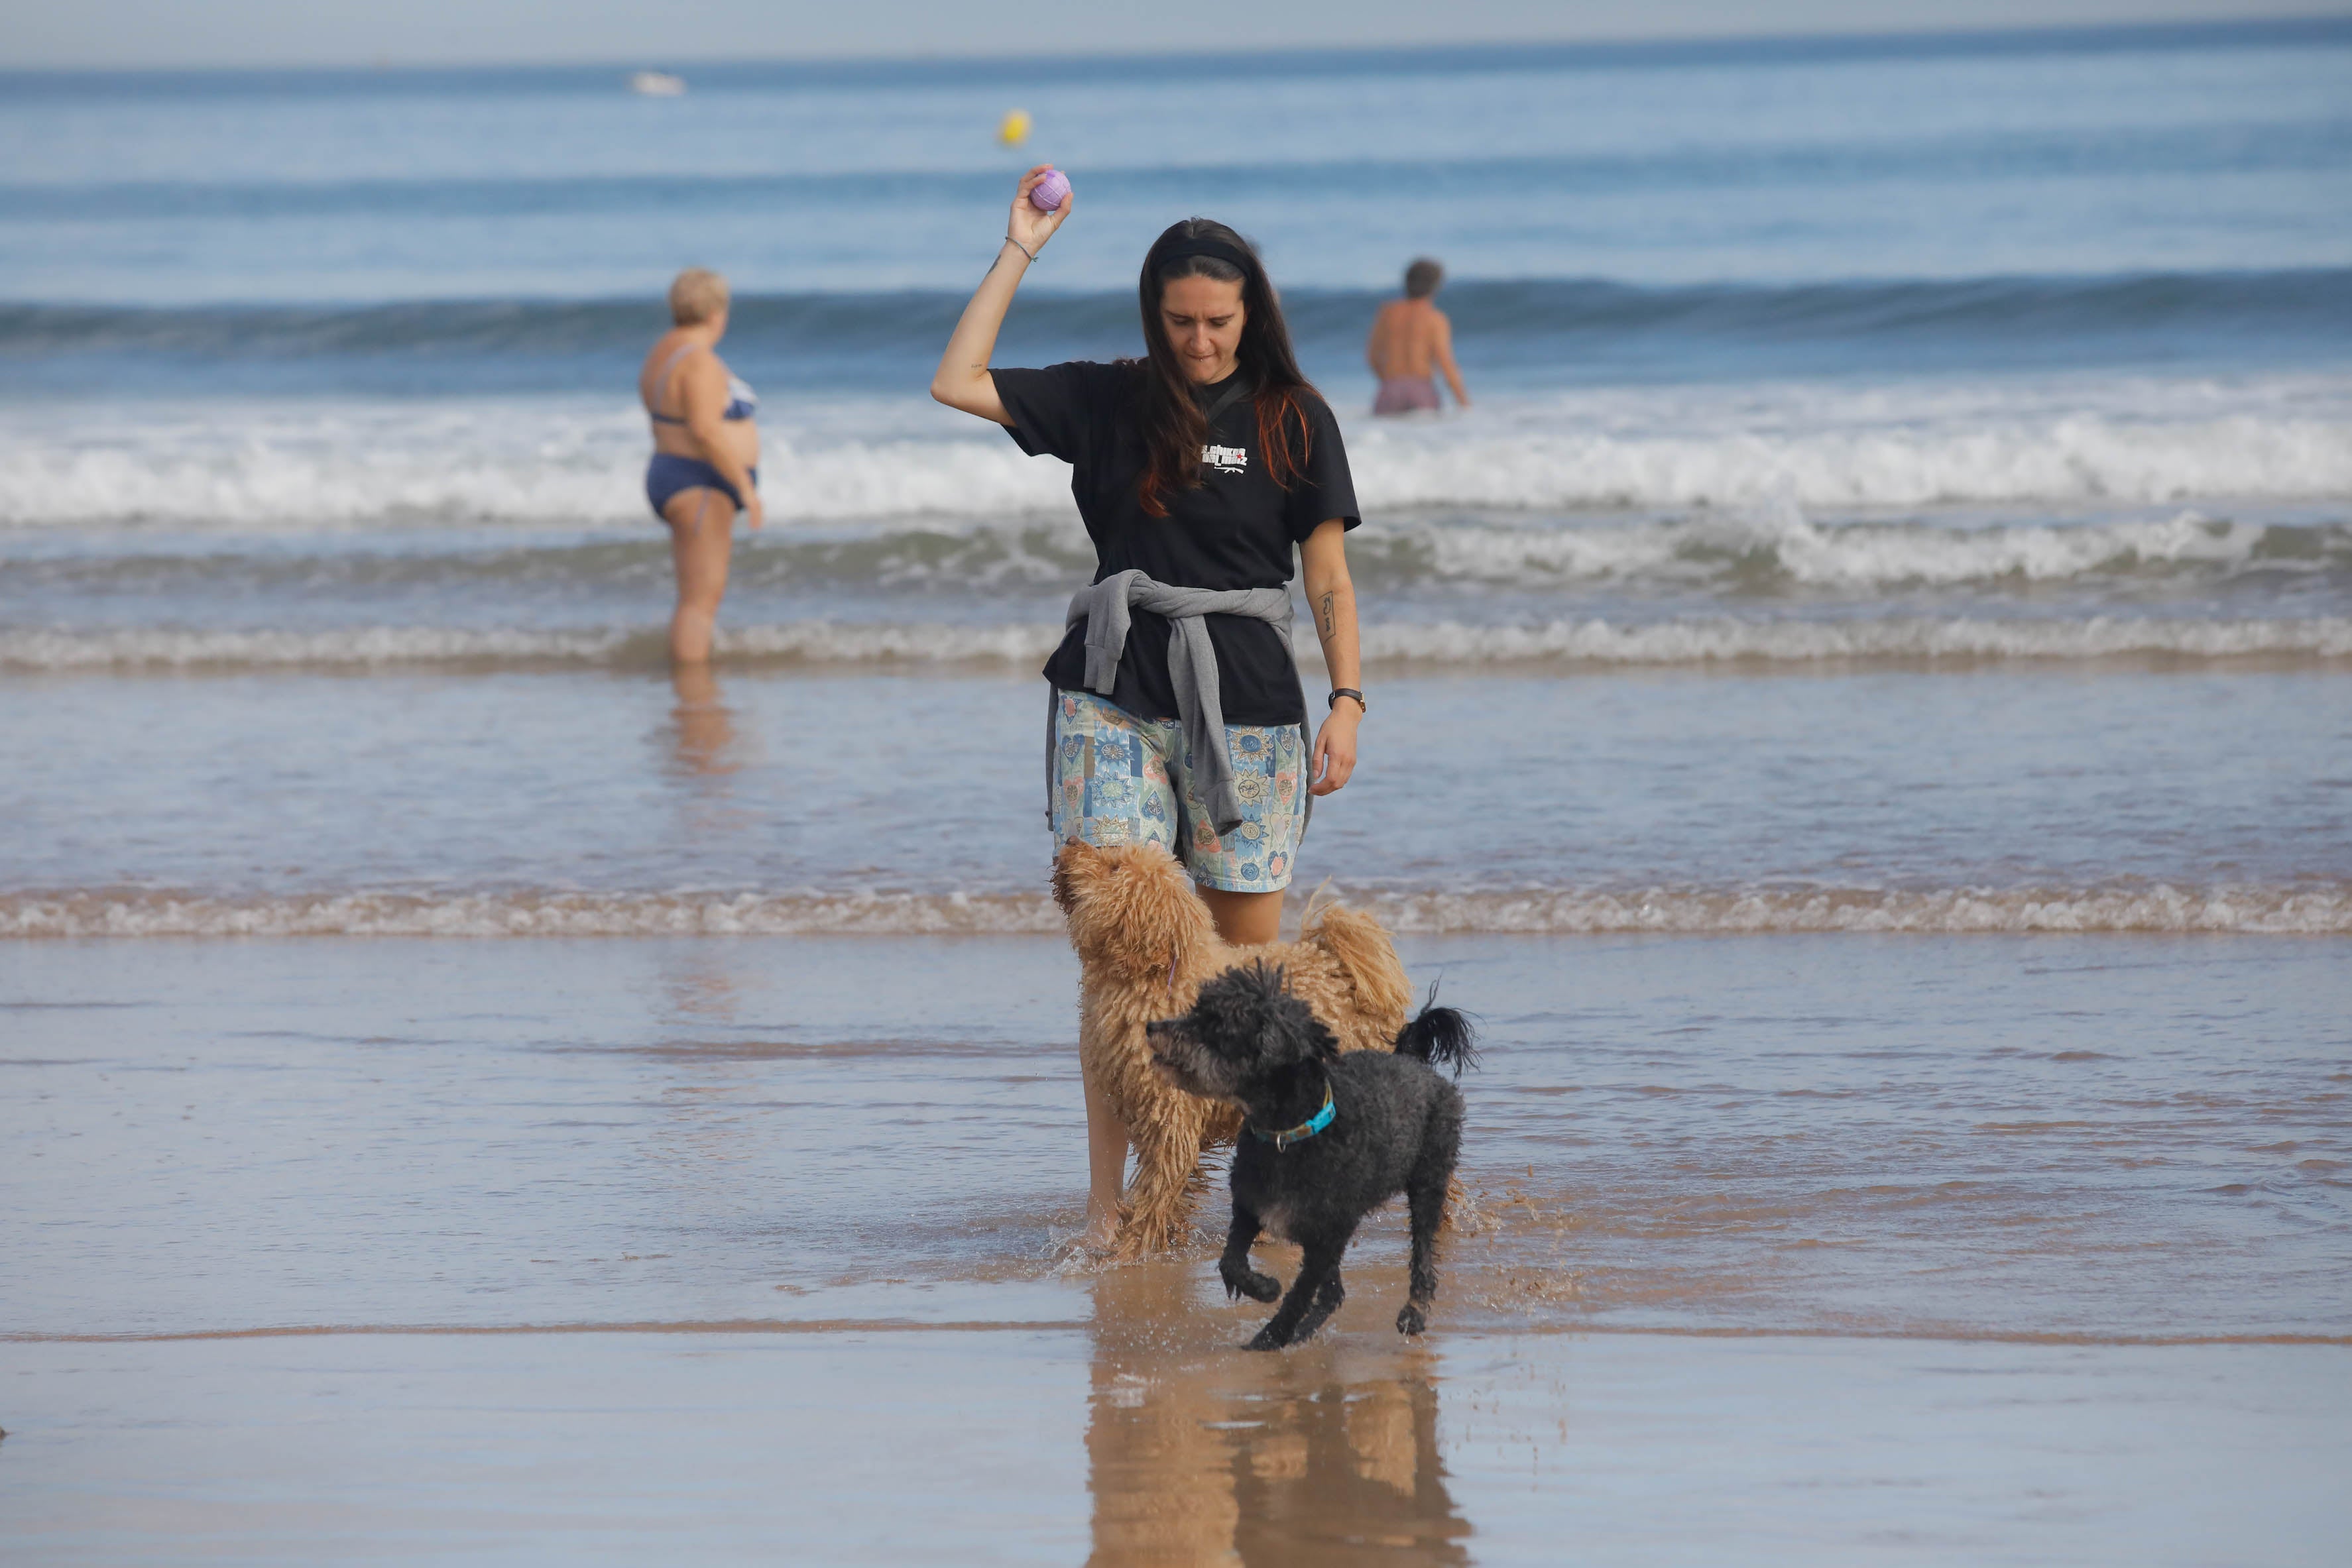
1319	1264
1426	1198
1327	1301
1233	1267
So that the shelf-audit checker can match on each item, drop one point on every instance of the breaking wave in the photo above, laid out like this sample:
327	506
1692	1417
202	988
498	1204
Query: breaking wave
1842	457
1760	548
2324	910
276	467
1563	645
1749	551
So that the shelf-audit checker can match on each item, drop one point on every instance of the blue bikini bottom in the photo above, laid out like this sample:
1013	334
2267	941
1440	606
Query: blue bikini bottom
669	473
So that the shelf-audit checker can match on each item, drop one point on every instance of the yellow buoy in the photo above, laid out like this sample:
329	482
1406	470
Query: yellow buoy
1015	128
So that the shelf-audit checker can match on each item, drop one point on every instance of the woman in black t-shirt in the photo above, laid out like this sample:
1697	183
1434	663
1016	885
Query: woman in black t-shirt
1201	466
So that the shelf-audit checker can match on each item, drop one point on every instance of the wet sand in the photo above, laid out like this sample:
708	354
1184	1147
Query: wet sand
1143	1438
1783	1249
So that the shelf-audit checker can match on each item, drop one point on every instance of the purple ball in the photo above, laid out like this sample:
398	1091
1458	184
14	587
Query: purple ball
1046	194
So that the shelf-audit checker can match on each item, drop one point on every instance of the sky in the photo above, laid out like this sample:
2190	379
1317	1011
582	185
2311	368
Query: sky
124	34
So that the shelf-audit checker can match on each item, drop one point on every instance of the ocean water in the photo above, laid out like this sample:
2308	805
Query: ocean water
1862	706
1966	425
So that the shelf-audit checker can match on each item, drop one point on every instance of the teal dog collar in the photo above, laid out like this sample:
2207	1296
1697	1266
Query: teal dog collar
1305	1130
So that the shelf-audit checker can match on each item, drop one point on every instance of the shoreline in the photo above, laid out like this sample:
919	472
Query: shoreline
2055	1338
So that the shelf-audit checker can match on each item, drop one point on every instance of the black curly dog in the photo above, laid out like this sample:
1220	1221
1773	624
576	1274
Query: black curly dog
1394	1127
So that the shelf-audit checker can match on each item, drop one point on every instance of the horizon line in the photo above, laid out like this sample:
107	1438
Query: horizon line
1600	48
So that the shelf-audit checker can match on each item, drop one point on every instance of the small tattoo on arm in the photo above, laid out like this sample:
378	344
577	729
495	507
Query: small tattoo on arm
1330	621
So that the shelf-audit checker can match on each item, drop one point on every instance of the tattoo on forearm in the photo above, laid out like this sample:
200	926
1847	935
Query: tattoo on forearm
1331	617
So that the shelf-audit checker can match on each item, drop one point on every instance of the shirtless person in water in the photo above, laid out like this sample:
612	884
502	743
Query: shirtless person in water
1409	336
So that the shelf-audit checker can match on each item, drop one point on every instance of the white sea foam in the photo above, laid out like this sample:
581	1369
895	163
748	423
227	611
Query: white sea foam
1724	640
2261	911
2324	910
1761	550
1752	545
811	643
276	467
1564	645
2141	442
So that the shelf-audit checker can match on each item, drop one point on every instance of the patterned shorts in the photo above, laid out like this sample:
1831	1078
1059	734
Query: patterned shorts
1117	780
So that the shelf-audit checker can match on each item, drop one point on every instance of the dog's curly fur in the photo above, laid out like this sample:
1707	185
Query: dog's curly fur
1146	942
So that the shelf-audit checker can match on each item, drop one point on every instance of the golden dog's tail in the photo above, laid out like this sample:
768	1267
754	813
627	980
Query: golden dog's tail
1361	945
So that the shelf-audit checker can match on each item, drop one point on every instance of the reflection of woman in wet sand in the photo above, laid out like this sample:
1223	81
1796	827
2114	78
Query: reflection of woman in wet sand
705	466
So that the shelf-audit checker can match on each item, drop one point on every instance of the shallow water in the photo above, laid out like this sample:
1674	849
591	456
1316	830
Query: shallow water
585	802
1793	1249
2106	1138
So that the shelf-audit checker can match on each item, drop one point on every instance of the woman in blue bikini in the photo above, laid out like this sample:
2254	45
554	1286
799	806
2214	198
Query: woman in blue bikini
705	463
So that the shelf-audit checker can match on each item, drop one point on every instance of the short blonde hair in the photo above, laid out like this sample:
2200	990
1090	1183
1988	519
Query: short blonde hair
695	295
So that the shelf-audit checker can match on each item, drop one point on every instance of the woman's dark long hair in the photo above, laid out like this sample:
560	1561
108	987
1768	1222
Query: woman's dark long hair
1173	430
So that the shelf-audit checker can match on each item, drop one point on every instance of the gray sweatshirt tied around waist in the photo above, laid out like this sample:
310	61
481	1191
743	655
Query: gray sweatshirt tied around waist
1107	607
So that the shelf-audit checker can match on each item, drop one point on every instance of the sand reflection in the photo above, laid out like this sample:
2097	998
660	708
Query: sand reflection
1200	1453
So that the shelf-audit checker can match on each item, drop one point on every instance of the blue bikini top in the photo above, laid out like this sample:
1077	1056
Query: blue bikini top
742	402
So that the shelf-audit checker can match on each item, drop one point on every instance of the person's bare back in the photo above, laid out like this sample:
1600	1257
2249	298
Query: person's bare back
1411	339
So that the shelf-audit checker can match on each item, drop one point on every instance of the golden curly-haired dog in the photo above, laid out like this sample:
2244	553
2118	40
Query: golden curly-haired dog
1145	944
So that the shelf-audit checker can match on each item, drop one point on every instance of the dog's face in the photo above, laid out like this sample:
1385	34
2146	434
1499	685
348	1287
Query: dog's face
1244	1028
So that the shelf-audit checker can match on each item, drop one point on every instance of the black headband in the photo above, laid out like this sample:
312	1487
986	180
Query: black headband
1216	249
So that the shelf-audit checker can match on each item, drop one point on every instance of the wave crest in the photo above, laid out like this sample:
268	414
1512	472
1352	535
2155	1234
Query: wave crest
1561	645
2324	910
281	468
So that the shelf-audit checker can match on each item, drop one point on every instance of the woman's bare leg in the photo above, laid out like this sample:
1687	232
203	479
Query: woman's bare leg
1244	919
1105	1169
702	540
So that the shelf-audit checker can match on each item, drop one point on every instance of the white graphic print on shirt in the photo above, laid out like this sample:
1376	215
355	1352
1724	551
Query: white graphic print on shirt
1226	459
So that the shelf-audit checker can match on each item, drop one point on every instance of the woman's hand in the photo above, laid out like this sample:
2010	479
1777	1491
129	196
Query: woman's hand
962	380
755	511
1334	747
1029	228
1331	601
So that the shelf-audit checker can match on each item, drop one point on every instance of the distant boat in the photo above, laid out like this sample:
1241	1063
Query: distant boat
656	84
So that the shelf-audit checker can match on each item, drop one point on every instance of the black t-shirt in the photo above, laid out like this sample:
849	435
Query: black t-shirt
1237	529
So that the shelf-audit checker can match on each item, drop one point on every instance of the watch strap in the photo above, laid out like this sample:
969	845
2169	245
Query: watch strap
1339	692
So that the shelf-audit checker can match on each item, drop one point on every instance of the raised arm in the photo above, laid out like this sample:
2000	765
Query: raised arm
1445	359
962	380
1331	599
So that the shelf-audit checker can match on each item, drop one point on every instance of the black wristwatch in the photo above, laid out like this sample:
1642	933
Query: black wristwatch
1339	692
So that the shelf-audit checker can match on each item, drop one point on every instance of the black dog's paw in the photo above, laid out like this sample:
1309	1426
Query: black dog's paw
1410	1321
1247	1282
1254	1287
1266	1340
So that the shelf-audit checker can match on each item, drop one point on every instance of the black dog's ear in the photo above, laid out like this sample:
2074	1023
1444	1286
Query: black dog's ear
1289	1032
